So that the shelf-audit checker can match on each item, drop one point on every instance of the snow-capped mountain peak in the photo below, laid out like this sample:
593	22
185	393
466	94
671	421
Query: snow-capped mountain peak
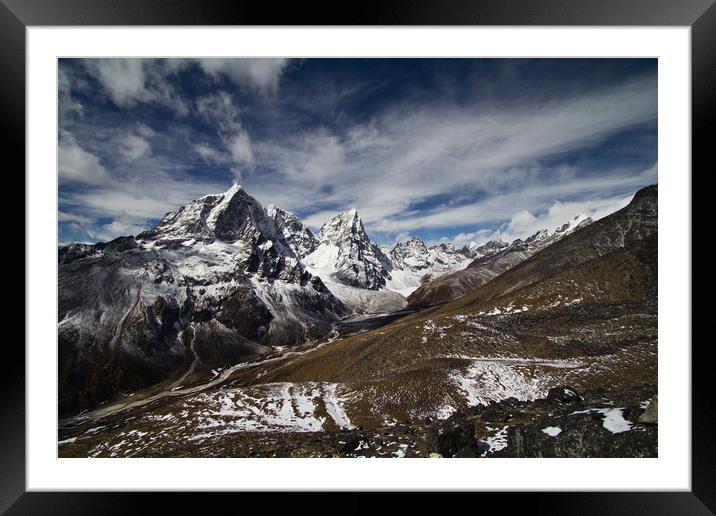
342	226
230	216
411	254
347	254
475	250
579	220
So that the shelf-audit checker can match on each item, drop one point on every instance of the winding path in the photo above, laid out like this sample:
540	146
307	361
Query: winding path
121	406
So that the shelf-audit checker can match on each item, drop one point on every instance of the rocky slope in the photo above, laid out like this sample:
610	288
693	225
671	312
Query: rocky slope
580	312
494	258
298	237
552	426
612	259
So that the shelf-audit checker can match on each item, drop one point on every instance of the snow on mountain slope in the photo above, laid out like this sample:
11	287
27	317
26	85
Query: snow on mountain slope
493	246
414	263
299	238
221	280
351	256
486	267
346	262
350	264
216	282
366	277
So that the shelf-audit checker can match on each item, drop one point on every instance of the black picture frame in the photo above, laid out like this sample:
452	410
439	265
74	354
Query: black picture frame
17	15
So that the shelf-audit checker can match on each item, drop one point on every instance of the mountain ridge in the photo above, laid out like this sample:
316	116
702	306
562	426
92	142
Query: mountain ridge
499	258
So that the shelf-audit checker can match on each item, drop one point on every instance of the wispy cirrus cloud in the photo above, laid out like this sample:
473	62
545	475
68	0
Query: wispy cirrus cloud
263	74
431	149
486	162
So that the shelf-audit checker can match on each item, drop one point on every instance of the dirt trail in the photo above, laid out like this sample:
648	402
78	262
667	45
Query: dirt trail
172	391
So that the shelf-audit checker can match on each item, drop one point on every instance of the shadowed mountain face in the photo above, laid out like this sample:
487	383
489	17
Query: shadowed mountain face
497	258
215	283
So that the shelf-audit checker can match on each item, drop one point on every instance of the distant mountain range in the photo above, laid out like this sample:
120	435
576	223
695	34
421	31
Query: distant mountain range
497	257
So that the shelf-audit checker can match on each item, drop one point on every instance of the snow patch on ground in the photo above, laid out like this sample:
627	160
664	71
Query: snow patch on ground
509	309
485	381
498	440
445	412
400	452
613	418
271	407
431	328
552	431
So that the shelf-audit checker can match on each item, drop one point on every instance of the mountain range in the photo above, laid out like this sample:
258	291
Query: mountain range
224	280
555	356
494	260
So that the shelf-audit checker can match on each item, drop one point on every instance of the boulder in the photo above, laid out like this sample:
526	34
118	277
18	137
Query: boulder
651	415
563	394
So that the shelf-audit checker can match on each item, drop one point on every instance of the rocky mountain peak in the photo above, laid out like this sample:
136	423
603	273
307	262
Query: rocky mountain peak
412	245
477	250
345	225
238	216
299	238
228	217
356	260
579	220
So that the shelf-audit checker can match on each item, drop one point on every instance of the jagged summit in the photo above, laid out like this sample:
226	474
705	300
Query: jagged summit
227	217
410	254
492	246
346	224
414	255
347	254
298	237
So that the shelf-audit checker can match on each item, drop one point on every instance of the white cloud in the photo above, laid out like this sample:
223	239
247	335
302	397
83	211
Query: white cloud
67	104
133	146
77	165
260	74
220	110
651	172
404	156
123	79
522	221
73	217
209	154
523	224
130	81
240	147
148	197
482	235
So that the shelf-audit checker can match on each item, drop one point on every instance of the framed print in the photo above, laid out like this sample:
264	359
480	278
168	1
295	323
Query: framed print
260	253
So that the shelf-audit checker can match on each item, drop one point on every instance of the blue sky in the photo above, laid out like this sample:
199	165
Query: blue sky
452	150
